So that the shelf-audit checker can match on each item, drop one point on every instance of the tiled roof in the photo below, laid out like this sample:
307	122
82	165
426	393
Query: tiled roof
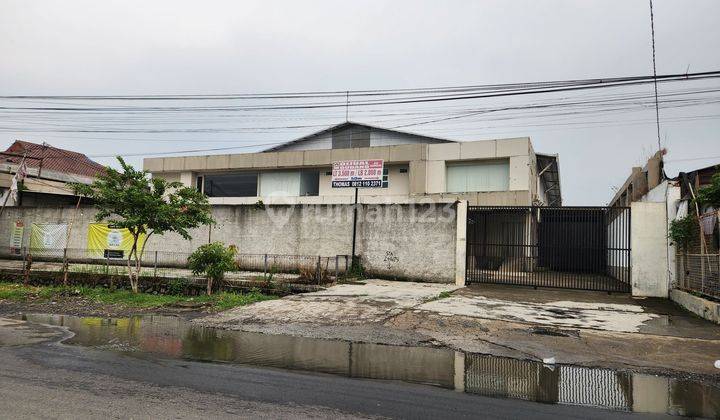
53	159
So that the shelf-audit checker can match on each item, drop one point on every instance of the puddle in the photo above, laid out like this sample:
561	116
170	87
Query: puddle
471	373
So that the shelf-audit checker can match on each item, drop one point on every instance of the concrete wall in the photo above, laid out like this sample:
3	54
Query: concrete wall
668	193
703	308
398	241
649	250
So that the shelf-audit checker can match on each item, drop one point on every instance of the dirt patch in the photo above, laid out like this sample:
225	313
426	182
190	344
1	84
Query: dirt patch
84	307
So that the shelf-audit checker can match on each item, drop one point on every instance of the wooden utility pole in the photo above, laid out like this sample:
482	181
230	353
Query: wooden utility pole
67	240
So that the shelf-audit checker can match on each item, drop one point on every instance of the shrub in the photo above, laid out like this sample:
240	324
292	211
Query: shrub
213	261
178	286
683	231
709	195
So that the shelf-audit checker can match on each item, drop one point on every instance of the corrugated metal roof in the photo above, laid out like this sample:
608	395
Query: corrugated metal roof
52	159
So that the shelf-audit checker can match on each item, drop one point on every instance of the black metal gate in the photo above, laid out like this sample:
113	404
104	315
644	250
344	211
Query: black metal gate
568	247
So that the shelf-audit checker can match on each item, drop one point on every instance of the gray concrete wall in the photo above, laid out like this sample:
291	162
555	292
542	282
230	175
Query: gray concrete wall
649	258
398	241
701	307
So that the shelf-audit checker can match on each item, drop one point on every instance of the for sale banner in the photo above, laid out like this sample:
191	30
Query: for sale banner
107	242
357	173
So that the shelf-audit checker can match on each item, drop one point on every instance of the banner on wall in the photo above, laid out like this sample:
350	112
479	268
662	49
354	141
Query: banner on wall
108	242
48	239
16	236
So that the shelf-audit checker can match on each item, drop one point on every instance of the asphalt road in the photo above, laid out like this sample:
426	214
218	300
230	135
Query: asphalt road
48	380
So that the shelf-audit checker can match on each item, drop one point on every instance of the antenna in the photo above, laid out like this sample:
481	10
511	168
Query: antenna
347	105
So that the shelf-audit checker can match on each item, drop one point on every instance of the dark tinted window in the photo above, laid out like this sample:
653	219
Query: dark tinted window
310	182
242	184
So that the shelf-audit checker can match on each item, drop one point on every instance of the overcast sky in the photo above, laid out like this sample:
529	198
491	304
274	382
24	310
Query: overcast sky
200	47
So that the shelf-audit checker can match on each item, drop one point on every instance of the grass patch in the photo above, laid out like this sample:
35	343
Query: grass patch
218	302
443	295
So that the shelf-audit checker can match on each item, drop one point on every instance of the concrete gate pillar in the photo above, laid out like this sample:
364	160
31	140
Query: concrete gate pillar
649	255
461	208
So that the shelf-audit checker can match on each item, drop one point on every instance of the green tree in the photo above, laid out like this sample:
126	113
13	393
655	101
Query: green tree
709	195
212	261
128	198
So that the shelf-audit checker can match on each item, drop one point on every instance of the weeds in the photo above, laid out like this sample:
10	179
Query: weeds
219	302
356	269
443	295
178	286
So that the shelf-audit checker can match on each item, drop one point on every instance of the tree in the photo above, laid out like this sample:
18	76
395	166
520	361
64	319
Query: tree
213	260
709	195
130	199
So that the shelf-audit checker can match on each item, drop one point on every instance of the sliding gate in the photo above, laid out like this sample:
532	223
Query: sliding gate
568	247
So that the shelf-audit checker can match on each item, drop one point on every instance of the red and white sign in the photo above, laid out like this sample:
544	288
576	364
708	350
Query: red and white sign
357	173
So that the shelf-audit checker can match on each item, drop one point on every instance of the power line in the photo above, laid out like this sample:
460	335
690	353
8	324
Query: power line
534	88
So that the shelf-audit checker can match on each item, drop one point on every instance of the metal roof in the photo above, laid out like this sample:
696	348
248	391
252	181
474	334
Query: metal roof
348	123
548	168
51	158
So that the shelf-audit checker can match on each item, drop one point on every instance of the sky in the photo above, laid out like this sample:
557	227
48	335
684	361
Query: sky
79	47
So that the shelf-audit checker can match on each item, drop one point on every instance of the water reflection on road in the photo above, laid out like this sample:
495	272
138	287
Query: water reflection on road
472	373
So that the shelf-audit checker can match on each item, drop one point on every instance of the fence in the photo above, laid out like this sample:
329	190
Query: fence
569	247
699	273
170	264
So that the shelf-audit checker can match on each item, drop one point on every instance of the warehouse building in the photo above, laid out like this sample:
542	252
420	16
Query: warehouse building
417	167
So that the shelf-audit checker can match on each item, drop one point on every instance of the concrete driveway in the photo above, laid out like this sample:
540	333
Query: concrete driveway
370	301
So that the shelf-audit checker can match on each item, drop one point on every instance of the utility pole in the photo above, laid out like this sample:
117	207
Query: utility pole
657	106
67	241
354	231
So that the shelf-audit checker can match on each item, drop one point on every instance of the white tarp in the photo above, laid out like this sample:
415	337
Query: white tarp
48	239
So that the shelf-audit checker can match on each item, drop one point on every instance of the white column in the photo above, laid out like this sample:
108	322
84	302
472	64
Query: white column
461	242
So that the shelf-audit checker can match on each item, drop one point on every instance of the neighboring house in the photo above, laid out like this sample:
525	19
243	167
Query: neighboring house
641	181
490	172
50	170
695	269
649	184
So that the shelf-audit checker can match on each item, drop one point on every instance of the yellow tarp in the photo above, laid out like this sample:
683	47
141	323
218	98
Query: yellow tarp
101	237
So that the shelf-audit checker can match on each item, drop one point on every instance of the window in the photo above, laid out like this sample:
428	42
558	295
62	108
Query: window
352	136
199	183
310	183
386	178
478	176
241	184
289	183
279	184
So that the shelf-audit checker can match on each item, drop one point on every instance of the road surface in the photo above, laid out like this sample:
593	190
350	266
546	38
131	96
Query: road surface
41	378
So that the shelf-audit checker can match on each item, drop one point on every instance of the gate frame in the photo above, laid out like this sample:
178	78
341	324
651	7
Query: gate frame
618	252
